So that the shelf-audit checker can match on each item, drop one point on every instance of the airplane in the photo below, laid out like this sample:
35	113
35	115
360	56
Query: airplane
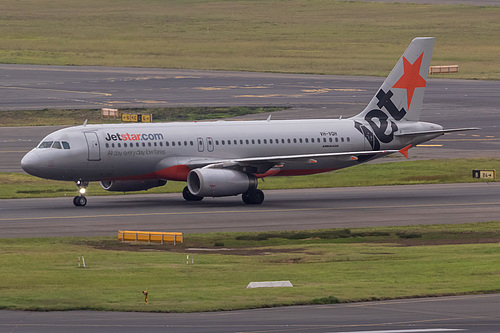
226	158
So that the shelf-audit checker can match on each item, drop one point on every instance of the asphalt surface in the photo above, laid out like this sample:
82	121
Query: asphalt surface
282	210
443	314
451	103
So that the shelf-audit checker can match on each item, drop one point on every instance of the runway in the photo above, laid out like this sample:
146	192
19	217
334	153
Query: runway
476	313
282	210
451	103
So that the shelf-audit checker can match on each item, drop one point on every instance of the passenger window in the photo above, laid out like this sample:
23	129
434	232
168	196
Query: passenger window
45	144
65	145
56	145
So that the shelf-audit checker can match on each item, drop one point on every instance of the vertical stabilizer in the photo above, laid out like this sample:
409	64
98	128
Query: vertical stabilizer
402	93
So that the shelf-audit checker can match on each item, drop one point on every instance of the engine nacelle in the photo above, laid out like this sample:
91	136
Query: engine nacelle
219	182
131	185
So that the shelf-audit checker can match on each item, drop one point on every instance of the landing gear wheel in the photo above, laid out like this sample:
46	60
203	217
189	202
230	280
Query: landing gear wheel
79	201
255	197
188	196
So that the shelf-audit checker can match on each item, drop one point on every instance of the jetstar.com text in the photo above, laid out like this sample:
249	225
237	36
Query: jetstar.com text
133	137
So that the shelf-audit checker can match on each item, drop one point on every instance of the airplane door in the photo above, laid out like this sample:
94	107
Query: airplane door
201	146
93	146
210	144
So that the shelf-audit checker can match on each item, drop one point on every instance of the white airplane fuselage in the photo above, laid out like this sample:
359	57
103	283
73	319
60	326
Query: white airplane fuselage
162	151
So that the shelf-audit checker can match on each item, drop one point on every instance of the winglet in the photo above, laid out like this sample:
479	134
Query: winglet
404	151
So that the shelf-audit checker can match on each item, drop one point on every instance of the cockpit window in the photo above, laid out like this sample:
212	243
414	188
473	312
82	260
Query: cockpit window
45	144
65	144
56	145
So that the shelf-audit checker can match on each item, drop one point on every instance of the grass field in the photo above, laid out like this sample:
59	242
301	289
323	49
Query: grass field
14	185
49	117
324	266
330	37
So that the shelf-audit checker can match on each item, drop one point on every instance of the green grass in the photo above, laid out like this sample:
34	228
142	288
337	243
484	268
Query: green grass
372	263
330	37
13	185
48	117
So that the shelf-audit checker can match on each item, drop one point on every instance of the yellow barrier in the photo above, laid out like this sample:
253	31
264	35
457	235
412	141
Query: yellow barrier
147	236
443	69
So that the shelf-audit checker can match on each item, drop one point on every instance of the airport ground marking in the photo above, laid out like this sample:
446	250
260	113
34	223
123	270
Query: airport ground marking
249	211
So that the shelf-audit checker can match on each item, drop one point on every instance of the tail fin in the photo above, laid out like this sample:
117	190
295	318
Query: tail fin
402	92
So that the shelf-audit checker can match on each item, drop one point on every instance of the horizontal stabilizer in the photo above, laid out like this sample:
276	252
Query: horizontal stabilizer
443	131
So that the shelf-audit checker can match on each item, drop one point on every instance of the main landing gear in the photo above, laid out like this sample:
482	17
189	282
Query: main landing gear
254	197
188	196
81	200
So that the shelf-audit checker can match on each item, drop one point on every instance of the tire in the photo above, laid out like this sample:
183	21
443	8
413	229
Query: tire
80	201
188	196
255	197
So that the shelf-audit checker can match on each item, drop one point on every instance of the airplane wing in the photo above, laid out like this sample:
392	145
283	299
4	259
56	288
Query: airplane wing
264	163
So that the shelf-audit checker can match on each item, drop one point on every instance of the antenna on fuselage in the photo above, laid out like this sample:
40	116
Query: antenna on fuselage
85	122
269	118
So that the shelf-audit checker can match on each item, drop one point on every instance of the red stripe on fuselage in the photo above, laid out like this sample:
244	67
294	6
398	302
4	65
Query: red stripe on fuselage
180	173
176	172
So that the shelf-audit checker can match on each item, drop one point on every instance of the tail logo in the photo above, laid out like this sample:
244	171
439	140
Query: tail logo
411	78
383	127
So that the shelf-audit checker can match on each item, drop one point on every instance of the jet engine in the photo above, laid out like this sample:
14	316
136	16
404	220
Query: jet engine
219	182
131	185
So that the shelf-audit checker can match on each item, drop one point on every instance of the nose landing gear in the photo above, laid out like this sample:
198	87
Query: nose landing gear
81	200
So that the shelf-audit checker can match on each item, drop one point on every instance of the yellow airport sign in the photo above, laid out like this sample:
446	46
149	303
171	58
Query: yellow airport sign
137	118
484	174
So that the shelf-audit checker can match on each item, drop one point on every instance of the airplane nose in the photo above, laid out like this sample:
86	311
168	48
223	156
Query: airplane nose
31	163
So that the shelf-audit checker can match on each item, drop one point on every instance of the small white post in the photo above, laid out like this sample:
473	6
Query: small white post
83	260
187	260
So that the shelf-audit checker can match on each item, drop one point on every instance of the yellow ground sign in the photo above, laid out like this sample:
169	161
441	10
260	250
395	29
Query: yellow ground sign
137	118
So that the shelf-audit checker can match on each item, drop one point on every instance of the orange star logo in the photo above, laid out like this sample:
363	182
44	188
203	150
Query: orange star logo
411	78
